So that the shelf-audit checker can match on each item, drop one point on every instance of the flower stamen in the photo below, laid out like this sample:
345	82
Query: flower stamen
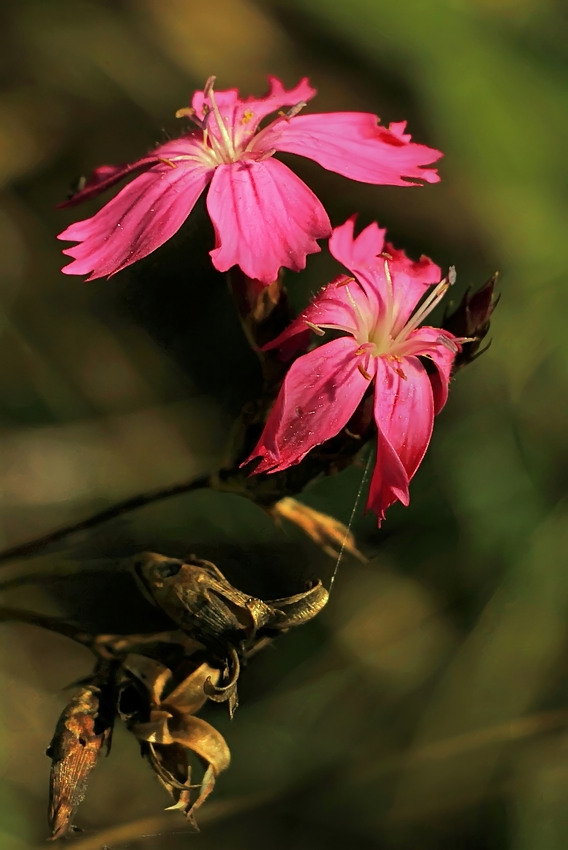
209	93
359	318
290	113
315	328
364	372
425	308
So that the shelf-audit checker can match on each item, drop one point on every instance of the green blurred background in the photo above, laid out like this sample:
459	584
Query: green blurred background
427	706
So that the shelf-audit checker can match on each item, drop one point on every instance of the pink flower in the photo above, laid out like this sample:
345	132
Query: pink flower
383	343
263	215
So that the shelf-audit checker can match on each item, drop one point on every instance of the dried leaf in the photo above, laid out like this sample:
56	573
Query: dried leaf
331	535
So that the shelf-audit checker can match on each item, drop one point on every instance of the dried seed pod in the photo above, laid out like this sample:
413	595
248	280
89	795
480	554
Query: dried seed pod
83	730
471	319
198	597
230	624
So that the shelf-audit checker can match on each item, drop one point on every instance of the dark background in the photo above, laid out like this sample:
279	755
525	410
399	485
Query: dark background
426	706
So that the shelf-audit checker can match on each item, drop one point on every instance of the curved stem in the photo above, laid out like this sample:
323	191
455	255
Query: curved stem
30	547
43	621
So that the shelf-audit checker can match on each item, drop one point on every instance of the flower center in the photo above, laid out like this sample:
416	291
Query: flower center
387	343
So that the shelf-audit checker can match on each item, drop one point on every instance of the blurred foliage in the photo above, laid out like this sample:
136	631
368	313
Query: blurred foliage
427	706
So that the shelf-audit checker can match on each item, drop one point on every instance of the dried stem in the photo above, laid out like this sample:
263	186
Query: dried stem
43	621
30	547
138	830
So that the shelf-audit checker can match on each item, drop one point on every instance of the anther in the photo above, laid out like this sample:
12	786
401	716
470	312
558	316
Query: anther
290	113
185	112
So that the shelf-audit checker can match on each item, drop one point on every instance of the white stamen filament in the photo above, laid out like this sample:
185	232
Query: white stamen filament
389	317
425	308
228	141
360	322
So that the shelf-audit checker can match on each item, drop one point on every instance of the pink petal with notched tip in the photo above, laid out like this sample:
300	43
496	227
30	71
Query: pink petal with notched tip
352	144
264	218
356	252
361	254
143	216
318	397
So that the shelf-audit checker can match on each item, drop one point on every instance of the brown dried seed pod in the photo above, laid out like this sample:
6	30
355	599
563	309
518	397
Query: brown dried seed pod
230	624
164	723
83	730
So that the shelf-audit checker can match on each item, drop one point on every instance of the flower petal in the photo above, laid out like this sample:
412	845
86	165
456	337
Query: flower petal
354	145
362	254
318	397
426	342
389	482
404	413
404	409
105	176
356	252
143	216
264	218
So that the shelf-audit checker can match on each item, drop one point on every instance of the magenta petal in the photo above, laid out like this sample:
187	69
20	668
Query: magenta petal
106	176
426	342
352	144
138	220
404	409
366	255
264	217
404	413
356	252
389	482
318	397
362	255
103	178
